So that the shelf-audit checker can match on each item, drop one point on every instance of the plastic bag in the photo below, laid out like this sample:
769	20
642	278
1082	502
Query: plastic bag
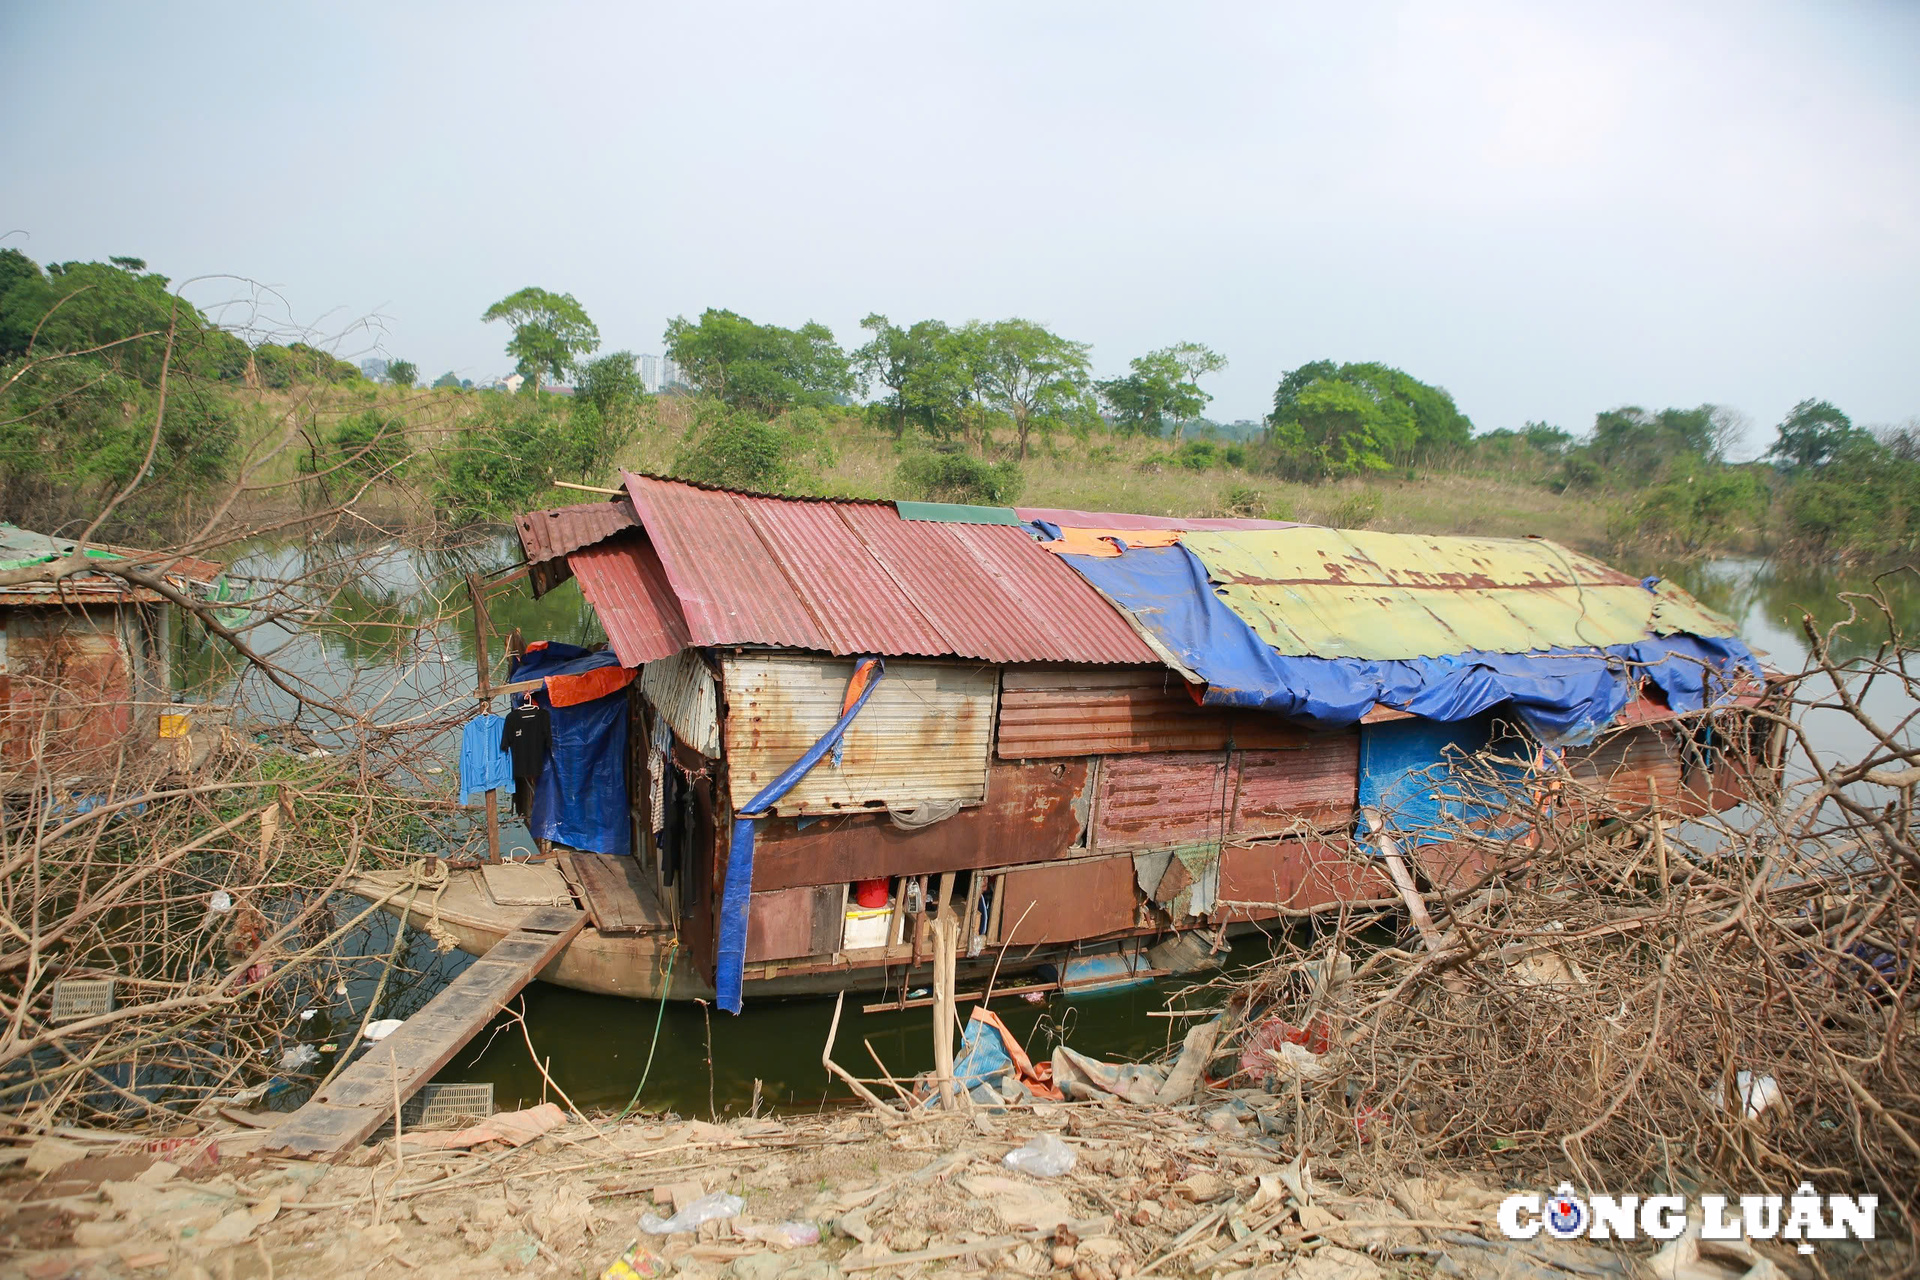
299	1057
1044	1156
785	1235
708	1208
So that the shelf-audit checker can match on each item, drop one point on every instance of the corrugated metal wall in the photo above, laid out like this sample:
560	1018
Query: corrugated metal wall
1112	711
1280	791
1630	768
923	735
1168	798
68	690
1178	797
683	691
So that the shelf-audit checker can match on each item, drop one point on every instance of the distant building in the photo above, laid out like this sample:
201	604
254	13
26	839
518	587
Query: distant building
659	373
374	367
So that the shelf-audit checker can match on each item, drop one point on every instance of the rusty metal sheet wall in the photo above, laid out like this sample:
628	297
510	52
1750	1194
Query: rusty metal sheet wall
623	580
923	735
1630	769
794	922
686	695
1070	902
1315	785
69	689
1258	880
1161	799
1078	711
1033	812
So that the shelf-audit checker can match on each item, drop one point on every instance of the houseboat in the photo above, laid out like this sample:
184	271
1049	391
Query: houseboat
85	674
1100	743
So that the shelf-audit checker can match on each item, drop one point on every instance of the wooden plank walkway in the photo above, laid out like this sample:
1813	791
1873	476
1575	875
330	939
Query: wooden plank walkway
360	1099
619	896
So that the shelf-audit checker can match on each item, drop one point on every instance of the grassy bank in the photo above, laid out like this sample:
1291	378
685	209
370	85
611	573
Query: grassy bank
844	456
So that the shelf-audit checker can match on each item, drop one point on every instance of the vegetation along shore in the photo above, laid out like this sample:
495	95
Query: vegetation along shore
266	426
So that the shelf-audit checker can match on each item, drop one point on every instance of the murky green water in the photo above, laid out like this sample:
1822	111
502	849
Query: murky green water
409	628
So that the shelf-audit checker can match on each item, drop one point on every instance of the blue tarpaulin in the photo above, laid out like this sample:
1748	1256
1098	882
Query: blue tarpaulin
1410	775
736	898
580	798
1565	696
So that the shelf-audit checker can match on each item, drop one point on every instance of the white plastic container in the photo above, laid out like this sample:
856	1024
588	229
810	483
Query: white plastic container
866	927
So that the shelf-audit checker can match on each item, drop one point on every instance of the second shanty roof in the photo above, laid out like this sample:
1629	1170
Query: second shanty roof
712	566
1334	593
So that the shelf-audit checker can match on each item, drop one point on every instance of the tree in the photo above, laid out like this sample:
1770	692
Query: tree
403	373
603	416
551	331
447	379
1034	375
1336	428
1162	386
926	367
761	367
1812	435
1414	417
1634	448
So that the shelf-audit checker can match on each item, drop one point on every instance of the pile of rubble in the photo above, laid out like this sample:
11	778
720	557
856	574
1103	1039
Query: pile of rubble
1170	1191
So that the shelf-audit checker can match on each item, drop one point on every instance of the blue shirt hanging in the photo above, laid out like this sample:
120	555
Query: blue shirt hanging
483	765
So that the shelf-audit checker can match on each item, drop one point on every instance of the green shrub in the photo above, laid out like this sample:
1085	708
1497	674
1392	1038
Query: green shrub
739	450
1704	506
1197	455
1243	502
371	444
959	477
1355	511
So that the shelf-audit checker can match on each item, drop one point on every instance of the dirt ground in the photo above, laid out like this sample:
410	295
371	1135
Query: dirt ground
1199	1190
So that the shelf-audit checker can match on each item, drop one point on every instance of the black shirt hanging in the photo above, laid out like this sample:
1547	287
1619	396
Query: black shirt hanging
525	735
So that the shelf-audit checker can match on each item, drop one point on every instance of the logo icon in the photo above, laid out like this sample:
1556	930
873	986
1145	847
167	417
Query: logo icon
1566	1216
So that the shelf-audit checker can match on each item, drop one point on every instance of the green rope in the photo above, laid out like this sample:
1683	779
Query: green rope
673	954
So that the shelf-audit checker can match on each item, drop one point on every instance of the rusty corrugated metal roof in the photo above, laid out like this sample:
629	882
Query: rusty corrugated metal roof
546	535
622	579
853	577
1335	593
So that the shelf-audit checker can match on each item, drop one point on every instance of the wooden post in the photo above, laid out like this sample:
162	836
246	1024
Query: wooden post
944	935
482	643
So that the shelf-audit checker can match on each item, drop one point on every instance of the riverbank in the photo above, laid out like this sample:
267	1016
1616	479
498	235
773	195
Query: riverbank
1179	1190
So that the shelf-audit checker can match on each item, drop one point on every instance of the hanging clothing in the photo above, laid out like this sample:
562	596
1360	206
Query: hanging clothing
661	744
483	765
526	735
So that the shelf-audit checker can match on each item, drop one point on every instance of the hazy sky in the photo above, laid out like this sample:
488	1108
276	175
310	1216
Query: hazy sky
1550	210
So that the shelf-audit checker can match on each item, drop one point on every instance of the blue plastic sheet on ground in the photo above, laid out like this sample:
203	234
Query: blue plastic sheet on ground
983	1055
580	798
736	897
483	765
1411	775
1564	696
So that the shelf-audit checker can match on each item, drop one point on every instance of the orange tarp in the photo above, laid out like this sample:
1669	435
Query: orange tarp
1101	543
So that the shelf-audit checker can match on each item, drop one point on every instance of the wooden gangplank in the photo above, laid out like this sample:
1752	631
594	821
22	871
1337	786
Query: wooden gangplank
617	893
360	1099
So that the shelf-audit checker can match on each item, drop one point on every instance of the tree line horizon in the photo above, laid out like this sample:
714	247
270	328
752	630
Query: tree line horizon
966	402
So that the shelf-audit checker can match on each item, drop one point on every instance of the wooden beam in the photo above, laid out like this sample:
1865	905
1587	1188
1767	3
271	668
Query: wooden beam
586	488
361	1098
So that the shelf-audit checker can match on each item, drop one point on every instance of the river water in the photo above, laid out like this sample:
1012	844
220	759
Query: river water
410	636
